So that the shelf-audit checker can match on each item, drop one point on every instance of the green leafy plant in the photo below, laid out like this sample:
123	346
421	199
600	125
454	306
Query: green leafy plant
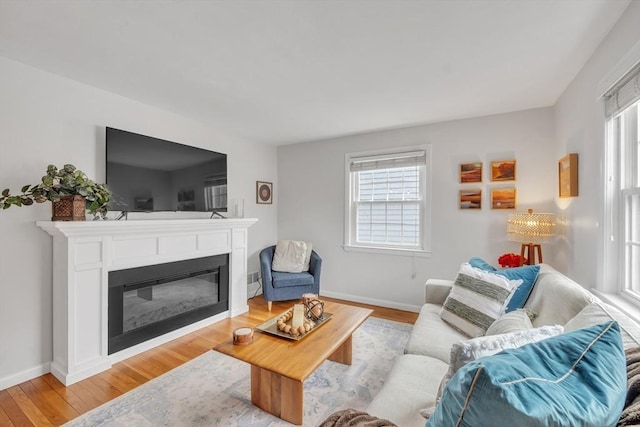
67	181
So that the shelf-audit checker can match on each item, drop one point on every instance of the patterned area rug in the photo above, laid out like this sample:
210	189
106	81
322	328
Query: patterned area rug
215	390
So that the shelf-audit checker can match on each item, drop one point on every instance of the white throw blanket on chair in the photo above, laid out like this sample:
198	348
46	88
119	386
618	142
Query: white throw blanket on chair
291	256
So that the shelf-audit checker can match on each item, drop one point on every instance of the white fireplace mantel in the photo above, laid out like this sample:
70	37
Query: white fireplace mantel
85	252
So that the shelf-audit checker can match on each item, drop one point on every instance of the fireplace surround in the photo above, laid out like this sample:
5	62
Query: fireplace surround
85	252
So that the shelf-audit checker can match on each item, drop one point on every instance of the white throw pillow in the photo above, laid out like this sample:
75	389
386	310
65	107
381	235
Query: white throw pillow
476	300
514	321
289	256
464	352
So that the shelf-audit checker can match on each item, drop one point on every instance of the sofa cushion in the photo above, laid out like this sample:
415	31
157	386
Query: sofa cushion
577	378
431	336
515	321
284	280
527	274
600	312
476	300
555	298
411	385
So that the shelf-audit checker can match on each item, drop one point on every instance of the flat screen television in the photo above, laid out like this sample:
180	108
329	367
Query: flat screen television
146	174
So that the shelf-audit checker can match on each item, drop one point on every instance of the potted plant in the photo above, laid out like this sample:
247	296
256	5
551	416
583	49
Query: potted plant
70	191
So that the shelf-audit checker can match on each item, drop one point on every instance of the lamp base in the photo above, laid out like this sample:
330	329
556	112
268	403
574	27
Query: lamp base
528	251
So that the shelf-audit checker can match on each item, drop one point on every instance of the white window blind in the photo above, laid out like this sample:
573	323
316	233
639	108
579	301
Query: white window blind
624	93
388	193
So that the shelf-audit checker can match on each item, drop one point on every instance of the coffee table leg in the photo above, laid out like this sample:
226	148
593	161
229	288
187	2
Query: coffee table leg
278	395
343	353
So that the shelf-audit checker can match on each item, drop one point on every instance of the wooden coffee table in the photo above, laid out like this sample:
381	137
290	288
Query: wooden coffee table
279	366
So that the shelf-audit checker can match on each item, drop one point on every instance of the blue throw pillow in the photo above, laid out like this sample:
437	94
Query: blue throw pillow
481	264
528	274
575	379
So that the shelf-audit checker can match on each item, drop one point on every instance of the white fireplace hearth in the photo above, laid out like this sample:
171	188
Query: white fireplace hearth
85	252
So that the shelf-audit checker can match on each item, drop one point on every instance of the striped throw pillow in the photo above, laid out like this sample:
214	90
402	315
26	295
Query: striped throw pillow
476	300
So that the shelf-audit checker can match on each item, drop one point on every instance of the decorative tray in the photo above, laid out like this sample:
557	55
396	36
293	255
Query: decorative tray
271	327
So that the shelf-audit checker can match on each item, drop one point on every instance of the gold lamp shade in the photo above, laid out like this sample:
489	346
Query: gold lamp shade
531	229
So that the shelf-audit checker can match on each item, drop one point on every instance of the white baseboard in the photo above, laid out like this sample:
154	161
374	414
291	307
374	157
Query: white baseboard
372	301
26	375
68	379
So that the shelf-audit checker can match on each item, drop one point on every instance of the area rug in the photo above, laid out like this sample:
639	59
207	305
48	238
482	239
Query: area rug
215	390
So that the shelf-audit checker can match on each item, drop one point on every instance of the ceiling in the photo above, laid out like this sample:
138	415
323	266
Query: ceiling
281	72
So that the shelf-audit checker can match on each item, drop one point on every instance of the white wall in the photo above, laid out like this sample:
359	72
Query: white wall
311	201
580	127
48	119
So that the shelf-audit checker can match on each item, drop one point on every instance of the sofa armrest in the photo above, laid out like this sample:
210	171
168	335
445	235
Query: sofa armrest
437	290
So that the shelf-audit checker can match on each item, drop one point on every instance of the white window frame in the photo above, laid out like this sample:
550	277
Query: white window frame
350	244
621	184
627	187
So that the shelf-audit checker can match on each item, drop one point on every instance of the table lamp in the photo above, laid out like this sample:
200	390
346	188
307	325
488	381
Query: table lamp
531	229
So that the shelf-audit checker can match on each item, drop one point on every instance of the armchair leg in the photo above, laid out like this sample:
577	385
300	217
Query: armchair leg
269	305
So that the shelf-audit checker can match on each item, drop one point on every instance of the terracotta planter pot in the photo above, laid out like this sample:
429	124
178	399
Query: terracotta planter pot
69	208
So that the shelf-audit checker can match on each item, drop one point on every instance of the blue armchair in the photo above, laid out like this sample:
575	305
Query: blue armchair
280	286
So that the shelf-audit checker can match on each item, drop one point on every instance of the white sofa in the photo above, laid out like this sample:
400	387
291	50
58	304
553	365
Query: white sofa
414	380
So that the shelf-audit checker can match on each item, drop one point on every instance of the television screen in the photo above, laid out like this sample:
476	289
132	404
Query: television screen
146	174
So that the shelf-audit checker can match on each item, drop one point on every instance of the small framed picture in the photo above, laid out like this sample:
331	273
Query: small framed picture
503	170
470	172
471	198
264	193
503	198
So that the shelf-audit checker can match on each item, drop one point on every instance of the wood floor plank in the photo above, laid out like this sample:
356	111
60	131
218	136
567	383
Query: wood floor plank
186	347
131	373
92	396
76	401
106	390
55	400
141	366
45	401
122	382
52	410
35	416
161	358
13	411
5	421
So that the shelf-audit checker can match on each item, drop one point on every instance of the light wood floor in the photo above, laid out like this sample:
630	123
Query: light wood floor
44	401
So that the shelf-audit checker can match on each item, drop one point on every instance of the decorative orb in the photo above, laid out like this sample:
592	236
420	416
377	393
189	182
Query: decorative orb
315	309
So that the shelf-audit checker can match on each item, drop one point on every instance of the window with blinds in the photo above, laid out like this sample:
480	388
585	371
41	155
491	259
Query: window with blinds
622	106
387	200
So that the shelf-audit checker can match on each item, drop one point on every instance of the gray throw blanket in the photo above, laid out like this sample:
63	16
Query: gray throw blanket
354	418
631	413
